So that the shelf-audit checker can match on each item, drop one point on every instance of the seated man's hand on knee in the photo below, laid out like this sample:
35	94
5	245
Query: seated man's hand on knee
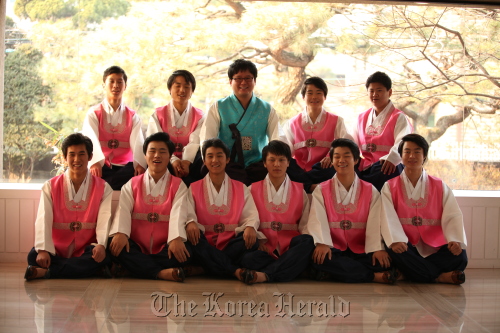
118	242
455	248
177	248
98	253
43	259
193	233
320	253
399	247
250	237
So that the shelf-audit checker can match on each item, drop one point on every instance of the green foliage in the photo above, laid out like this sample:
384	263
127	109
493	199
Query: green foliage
95	11
82	12
24	93
9	23
44	9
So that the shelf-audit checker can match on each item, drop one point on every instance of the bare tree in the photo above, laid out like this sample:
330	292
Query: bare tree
448	56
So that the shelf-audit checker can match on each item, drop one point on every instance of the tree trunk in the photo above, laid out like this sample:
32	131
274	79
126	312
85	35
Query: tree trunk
290	83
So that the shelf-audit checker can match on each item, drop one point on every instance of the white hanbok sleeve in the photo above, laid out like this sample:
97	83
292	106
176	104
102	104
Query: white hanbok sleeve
288	136
192	204
153	125
122	221
354	132
104	216
306	207
249	216
211	125
390	227
181	214
137	141
44	221
191	149
90	129
402	128
452	220
317	224
373	241
274	131
341	130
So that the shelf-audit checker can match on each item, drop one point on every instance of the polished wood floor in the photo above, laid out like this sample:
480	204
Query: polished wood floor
203	304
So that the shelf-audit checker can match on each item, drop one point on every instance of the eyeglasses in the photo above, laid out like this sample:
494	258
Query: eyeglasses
241	79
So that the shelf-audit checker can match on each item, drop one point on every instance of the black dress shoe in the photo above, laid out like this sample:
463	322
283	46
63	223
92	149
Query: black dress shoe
249	276
30	273
319	275
390	276
458	277
106	273
178	274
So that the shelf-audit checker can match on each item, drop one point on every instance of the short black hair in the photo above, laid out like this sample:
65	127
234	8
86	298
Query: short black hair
345	143
416	139
317	82
242	65
161	137
216	143
77	139
187	75
114	70
278	148
379	77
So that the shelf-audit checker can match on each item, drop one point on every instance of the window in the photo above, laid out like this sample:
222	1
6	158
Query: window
443	62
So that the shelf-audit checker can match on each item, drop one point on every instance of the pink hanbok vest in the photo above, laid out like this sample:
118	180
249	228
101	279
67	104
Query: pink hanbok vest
279	223
74	222
421	219
115	140
348	223
151	215
220	221
312	142
376	142
179	136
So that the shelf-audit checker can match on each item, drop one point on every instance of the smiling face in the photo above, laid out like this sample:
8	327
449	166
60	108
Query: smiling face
157	157
343	161
276	165
379	95
114	86
77	159
181	90
314	97
215	160
413	156
243	84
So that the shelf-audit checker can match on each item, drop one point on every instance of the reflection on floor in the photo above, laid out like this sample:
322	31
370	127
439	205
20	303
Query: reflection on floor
203	304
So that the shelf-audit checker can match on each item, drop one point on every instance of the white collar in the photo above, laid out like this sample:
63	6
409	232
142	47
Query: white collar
318	119
180	120
82	191
280	196
379	120
113	117
155	189
418	191
343	196
217	198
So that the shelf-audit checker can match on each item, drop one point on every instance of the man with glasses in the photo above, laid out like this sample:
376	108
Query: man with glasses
244	122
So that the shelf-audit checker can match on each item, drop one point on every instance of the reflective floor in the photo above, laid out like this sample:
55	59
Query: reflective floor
204	304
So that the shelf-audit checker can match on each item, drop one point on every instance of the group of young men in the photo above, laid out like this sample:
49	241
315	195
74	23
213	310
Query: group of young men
185	208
